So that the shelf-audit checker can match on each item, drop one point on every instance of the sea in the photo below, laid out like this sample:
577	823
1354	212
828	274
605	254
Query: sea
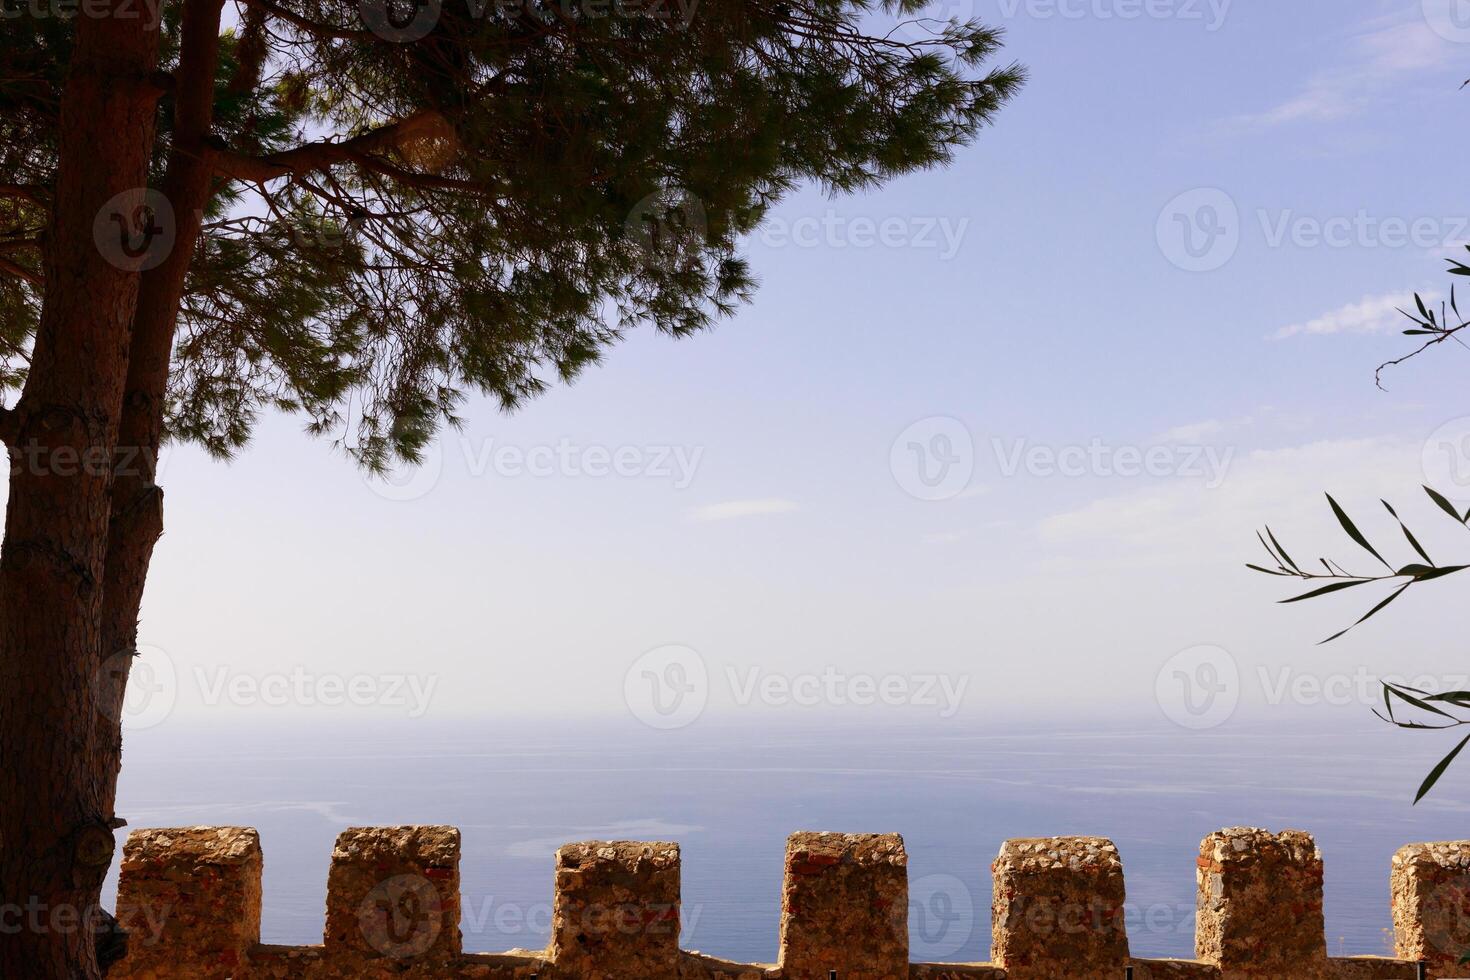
730	794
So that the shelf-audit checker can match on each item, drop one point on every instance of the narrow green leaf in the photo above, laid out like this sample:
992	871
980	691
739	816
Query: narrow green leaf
1417	702
1443	503
1325	590
1258	568
1419	300
1413	541
1435	573
1281	549
1274	556
1370	613
1439	770
1353	532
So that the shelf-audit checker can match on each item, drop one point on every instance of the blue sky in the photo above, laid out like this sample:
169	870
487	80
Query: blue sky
1024	300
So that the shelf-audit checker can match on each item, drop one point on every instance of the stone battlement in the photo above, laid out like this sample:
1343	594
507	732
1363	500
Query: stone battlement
191	899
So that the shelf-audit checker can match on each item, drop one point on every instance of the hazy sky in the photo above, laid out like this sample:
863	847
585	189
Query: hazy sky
895	476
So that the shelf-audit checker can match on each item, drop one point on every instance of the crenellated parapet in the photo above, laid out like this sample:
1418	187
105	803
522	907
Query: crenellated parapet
191	900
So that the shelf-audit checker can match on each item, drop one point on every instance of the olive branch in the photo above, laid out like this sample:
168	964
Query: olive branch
1435	709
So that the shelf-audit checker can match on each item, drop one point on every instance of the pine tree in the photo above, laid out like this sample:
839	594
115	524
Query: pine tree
362	213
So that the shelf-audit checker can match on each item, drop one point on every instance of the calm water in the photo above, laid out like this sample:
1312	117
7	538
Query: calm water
731	795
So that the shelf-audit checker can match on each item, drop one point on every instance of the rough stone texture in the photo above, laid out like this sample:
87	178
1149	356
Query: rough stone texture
189	898
616	912
1174	970
956	971
1431	904
844	907
393	894
1058	909
1260	905
694	966
1371	968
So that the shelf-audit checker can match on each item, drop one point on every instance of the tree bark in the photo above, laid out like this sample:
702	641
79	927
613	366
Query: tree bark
136	519
55	810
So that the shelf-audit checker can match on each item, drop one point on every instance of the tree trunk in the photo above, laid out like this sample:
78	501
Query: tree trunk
55	812
136	520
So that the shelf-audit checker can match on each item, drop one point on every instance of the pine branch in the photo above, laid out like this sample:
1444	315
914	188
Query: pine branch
18	271
311	157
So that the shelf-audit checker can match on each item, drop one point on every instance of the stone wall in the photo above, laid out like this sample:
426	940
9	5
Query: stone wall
191	898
